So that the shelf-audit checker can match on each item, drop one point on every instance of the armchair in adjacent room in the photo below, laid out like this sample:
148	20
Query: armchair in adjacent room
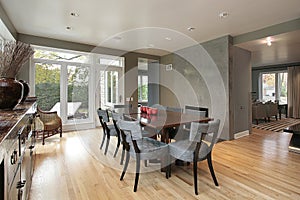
52	124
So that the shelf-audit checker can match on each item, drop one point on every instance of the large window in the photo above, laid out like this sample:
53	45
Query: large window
274	86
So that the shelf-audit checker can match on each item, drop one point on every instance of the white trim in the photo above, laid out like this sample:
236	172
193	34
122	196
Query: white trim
241	134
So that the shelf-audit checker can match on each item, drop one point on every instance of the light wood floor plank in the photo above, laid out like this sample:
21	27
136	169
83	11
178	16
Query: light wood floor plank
258	166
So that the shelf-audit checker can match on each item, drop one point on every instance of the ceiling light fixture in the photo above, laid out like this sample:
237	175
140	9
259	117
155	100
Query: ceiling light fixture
191	28
269	41
223	15
74	14
168	38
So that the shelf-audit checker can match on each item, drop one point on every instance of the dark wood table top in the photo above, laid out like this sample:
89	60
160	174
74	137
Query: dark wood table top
293	129
166	119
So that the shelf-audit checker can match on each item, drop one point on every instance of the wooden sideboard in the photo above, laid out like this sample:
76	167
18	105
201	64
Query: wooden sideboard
17	153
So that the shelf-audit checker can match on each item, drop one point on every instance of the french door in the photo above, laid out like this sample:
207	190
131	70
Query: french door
65	88
111	86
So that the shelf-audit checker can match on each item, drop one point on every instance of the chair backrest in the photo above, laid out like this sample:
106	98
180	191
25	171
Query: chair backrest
174	109
116	116
187	107
196	112
212	132
123	106
196	131
103	115
132	129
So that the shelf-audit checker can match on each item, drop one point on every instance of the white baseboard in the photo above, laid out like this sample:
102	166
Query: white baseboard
241	134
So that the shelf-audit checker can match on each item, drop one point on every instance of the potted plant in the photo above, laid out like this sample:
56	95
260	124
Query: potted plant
12	57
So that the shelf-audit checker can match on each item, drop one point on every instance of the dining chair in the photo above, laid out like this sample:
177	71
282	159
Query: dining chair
108	130
174	109
173	130
116	117
139	147
192	110
198	108
122	106
198	147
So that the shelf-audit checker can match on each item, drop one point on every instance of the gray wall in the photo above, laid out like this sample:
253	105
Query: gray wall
197	71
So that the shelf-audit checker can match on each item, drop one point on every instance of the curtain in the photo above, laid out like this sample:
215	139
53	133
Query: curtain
294	92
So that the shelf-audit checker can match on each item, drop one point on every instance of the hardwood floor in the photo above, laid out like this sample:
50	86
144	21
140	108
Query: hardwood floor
258	166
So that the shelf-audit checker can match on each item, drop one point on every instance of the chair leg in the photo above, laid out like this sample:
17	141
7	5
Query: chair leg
122	156
137	172
125	165
118	145
168	167
60	132
103	139
195	177
43	138
107	143
211	169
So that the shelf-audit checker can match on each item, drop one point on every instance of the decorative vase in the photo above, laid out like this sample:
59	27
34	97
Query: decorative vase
26	90
11	93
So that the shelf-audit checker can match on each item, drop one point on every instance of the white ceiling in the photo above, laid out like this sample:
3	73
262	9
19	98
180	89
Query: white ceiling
144	24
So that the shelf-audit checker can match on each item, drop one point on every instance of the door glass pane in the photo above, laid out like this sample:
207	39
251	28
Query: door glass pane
78	90
47	85
108	87
143	88
282	88
114	86
111	87
268	87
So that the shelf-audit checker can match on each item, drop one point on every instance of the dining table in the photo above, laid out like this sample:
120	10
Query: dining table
161	122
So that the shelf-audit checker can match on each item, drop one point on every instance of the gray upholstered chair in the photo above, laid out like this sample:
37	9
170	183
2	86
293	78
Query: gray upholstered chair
174	109
192	110
259	111
116	117
123	106
198	147
108	130
139	147
272	109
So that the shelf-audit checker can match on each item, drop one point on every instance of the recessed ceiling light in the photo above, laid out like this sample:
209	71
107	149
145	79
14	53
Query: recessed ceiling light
68	28
168	38
223	15
269	41
74	14
191	28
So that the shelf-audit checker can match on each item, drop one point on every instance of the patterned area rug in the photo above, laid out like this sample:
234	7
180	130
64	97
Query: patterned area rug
277	126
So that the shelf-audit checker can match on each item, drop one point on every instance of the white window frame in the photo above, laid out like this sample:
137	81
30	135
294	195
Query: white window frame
260	82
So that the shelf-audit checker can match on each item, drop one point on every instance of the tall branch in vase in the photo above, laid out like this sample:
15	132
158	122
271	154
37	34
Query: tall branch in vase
13	57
